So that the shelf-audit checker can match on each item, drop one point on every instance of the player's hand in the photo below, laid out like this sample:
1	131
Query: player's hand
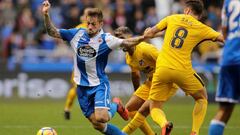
45	7
147	33
147	30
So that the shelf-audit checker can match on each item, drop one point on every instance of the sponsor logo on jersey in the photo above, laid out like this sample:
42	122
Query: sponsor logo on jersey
86	51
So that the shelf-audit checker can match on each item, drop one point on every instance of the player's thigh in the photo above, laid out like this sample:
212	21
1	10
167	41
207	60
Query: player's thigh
162	86
189	81
102	96
143	91
102	102
173	90
86	100
139	97
161	91
228	84
169	90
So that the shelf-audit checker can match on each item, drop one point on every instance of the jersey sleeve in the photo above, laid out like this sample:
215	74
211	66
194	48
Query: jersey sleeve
112	41
162	24
209	33
68	34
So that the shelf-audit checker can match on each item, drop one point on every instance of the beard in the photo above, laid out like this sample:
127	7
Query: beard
92	33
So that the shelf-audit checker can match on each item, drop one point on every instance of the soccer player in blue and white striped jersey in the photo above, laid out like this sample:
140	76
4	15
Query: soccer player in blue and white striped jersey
92	47
228	93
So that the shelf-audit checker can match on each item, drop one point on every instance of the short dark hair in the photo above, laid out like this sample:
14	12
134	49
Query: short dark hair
203	18
196	6
95	12
122	30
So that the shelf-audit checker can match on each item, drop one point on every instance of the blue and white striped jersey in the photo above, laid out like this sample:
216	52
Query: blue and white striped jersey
231	20
91	54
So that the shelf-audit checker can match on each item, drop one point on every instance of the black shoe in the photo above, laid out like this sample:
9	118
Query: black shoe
67	115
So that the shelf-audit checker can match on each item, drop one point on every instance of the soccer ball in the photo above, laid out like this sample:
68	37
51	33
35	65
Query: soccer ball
46	131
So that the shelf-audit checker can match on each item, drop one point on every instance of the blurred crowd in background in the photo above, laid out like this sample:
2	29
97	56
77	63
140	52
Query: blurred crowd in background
23	37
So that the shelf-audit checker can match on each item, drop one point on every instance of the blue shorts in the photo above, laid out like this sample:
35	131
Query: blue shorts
229	84
90	98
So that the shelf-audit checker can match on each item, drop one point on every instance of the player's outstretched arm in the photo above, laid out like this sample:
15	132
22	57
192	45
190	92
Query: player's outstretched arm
50	28
129	42
159	34
152	32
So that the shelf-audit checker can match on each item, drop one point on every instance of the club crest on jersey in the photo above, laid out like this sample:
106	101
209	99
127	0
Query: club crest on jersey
85	52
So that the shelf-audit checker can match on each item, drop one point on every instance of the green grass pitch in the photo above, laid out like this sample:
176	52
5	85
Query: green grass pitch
26	117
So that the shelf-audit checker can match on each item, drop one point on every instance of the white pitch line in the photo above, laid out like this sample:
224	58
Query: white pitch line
85	127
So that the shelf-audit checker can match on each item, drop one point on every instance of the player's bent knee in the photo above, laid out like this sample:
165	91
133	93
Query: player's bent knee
102	117
201	94
202	101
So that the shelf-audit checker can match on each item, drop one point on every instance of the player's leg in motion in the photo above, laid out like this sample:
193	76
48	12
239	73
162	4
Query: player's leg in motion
105	110
134	103
193	85
72	93
159	93
99	121
69	101
97	107
139	120
199	111
224	113
159	117
227	95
